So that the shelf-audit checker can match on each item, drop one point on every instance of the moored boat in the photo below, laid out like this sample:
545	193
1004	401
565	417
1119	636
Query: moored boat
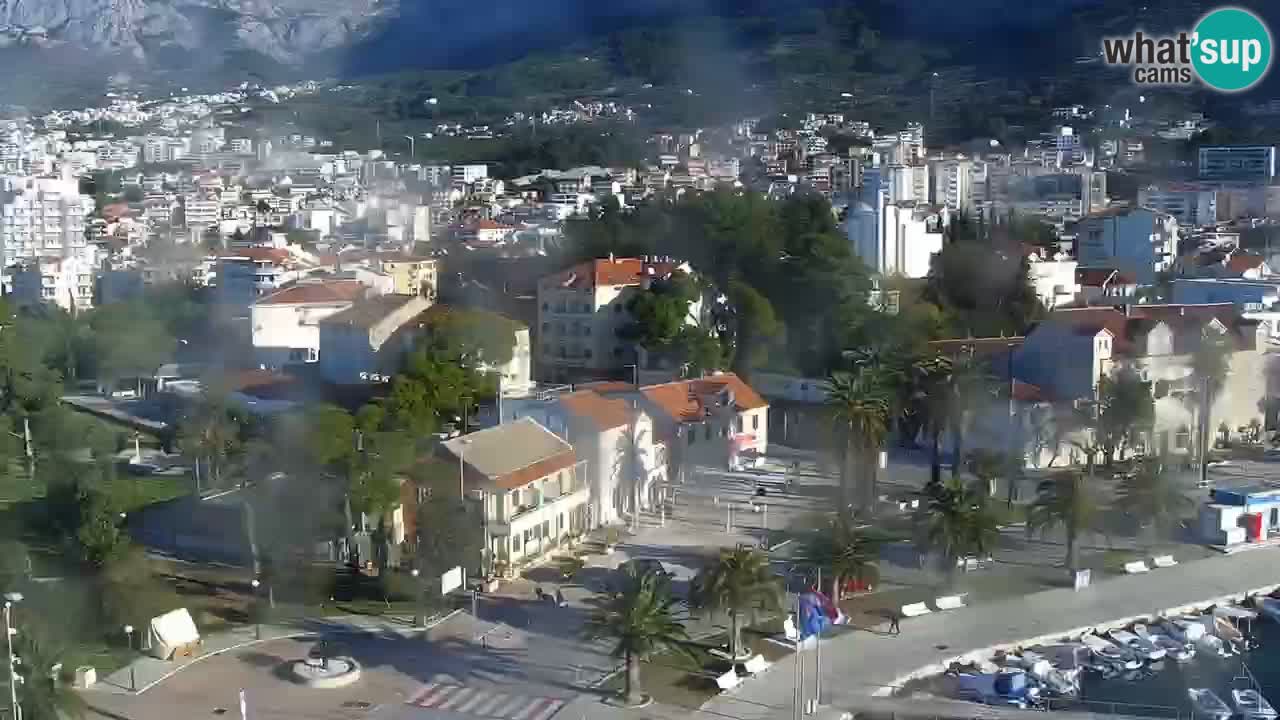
1208	705
1251	705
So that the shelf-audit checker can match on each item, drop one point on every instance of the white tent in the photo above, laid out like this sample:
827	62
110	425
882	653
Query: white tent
172	632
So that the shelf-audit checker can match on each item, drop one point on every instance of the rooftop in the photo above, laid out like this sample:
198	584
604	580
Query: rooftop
329	291
683	401
611	271
369	311
512	455
602	412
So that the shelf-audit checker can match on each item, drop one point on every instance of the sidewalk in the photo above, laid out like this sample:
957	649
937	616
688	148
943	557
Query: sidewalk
146	672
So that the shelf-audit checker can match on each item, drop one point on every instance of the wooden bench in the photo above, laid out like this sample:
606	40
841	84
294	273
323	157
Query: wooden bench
915	610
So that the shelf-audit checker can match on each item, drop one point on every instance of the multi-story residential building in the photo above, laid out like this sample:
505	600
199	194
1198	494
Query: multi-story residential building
67	282
467	174
364	344
1190	205
40	217
530	488
1138	242
896	238
286	324
1054	280
951	184
245	275
201	214
1066	354
581	309
1239	163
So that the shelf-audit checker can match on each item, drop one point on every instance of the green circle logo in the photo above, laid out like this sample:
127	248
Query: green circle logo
1231	49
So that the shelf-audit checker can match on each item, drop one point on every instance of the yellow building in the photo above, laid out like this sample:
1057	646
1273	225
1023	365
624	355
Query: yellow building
412	275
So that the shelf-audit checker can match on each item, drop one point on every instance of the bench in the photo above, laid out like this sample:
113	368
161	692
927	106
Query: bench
915	610
756	665
1163	561
729	680
1136	567
949	602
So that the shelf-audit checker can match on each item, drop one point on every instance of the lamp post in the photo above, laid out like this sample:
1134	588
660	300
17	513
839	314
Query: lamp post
133	678
257	610
11	599
419	617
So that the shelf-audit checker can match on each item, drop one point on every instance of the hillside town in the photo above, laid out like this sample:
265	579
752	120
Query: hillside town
761	323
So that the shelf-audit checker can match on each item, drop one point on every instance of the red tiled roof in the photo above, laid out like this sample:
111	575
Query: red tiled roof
1026	392
1090	321
604	413
1242	262
316	292
682	401
619	271
262	254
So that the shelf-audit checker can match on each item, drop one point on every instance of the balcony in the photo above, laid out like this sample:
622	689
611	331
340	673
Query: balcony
519	519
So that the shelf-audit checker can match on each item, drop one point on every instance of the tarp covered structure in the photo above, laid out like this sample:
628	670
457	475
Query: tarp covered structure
172	632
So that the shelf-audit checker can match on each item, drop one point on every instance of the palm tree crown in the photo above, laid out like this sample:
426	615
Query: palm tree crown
845	550
860	406
641	620
738	581
1150	496
956	521
1065	500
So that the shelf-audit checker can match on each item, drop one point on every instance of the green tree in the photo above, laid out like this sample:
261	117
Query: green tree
210	435
43	693
1210	365
641	620
859	407
931	398
970	384
956	522
738	582
1066	500
844	550
476	336
660	313
987	466
1126	410
127	341
1151	498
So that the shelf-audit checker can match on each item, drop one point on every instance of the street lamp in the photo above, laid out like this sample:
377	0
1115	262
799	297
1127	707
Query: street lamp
257	614
133	679
11	599
419	617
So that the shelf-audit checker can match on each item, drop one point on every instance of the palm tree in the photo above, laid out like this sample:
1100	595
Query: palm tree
1065	500
968	381
642	620
1150	497
859	406
739	581
845	551
931	400
210	435
987	465
42	694
956	522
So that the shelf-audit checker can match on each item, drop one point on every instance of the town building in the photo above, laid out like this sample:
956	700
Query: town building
1105	286
1238	163
529	485
286	324
41	217
67	282
1138	242
1054	280
1191	206
243	276
363	345
582	308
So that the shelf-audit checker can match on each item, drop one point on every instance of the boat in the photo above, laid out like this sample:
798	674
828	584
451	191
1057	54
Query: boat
1179	651
1012	688
1225	630
1208	705
1175	630
1251	705
1058	682
1269	607
1234	612
1110	652
1142	648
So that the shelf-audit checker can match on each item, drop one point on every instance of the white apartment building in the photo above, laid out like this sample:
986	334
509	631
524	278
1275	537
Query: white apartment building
1190	205
906	183
286	324
1054	280
41	217
67	282
581	309
529	485
951	184
201	214
467	174
896	239
1138	242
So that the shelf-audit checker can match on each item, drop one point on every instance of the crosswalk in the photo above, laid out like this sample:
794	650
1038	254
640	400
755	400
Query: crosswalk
485	703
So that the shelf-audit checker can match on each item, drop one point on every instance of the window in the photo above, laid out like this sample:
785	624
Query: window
737	424
755	422
706	432
515	542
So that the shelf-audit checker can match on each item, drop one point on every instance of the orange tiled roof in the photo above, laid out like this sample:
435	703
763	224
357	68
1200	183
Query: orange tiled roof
313	292
618	271
275	255
604	413
682	401
1242	262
